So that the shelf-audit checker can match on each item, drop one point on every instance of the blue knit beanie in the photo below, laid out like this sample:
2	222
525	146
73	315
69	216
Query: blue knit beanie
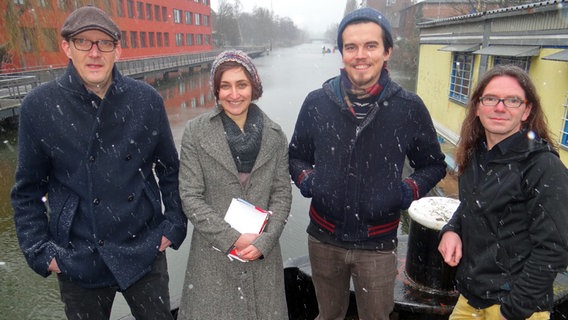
364	14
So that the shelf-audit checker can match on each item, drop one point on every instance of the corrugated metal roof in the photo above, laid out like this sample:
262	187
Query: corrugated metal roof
552	4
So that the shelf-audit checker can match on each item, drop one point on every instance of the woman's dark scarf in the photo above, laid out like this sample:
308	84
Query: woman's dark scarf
244	145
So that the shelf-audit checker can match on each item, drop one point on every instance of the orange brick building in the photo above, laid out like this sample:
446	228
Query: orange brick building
29	30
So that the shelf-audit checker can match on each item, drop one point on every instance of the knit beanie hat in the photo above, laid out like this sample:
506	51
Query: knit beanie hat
89	18
364	14
241	58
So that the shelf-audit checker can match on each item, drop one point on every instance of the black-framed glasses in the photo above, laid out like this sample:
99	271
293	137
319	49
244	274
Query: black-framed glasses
86	45
491	101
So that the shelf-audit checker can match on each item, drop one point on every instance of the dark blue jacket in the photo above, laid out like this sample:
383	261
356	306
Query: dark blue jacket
357	177
86	191
513	223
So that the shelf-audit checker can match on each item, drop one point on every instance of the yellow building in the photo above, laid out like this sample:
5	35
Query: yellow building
455	51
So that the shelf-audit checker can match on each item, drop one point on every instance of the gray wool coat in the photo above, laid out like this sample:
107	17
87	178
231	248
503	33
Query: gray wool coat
215	287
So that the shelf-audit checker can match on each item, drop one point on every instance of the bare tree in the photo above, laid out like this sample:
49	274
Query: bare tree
350	6
472	6
227	27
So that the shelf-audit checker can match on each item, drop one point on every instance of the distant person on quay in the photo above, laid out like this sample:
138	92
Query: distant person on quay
508	236
347	153
96	197
234	151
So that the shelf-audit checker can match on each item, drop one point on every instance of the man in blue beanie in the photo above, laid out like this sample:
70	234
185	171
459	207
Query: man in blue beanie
347	153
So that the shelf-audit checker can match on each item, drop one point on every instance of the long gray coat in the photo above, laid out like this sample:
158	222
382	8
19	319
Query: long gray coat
215	287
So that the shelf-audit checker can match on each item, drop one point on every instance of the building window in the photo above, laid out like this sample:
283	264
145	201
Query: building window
123	42
19	2
140	10
107	6
189	39
564	132
159	39
50	39
521	62
157	12
166	39
207	39
133	39
44	3
120	8
152	38
205	20
197	19
187	17
148	11
198	39
462	67
61	4
27	37
179	39
130	8
164	14
143	42
177	16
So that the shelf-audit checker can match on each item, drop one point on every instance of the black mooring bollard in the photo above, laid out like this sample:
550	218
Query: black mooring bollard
424	264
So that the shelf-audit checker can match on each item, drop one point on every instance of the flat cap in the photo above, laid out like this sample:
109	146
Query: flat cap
89	18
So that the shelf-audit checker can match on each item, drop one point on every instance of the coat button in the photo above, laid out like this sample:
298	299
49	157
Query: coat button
96	201
128	157
130	197
92	158
101	242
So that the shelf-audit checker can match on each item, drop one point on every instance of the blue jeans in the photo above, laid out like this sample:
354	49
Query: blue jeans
148	298
373	273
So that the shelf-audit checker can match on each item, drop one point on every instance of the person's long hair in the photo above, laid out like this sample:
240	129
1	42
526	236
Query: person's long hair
472	131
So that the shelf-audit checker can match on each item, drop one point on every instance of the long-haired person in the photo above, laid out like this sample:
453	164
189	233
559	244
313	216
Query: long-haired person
508	236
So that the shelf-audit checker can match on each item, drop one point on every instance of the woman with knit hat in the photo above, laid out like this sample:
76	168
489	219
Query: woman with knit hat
234	151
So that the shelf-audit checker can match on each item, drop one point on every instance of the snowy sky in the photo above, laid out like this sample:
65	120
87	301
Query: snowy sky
314	16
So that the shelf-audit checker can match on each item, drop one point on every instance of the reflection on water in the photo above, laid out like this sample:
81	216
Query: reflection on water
288	75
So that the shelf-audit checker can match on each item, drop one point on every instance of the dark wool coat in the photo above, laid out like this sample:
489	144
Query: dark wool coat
94	162
512	220
356	191
215	287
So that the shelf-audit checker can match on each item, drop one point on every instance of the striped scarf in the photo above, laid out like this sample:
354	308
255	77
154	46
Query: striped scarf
360	101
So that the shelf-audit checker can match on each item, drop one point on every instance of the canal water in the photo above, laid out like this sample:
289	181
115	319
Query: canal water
288	75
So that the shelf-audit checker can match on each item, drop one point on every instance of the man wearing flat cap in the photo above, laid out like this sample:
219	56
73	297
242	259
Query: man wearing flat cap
96	196
347	153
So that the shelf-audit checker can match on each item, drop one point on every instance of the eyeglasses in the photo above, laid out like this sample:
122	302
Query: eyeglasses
491	101
87	45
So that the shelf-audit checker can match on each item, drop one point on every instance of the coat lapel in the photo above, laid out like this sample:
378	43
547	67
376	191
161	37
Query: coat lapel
268	144
216	145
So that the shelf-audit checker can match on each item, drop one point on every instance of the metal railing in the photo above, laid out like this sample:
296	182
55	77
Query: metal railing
14	87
